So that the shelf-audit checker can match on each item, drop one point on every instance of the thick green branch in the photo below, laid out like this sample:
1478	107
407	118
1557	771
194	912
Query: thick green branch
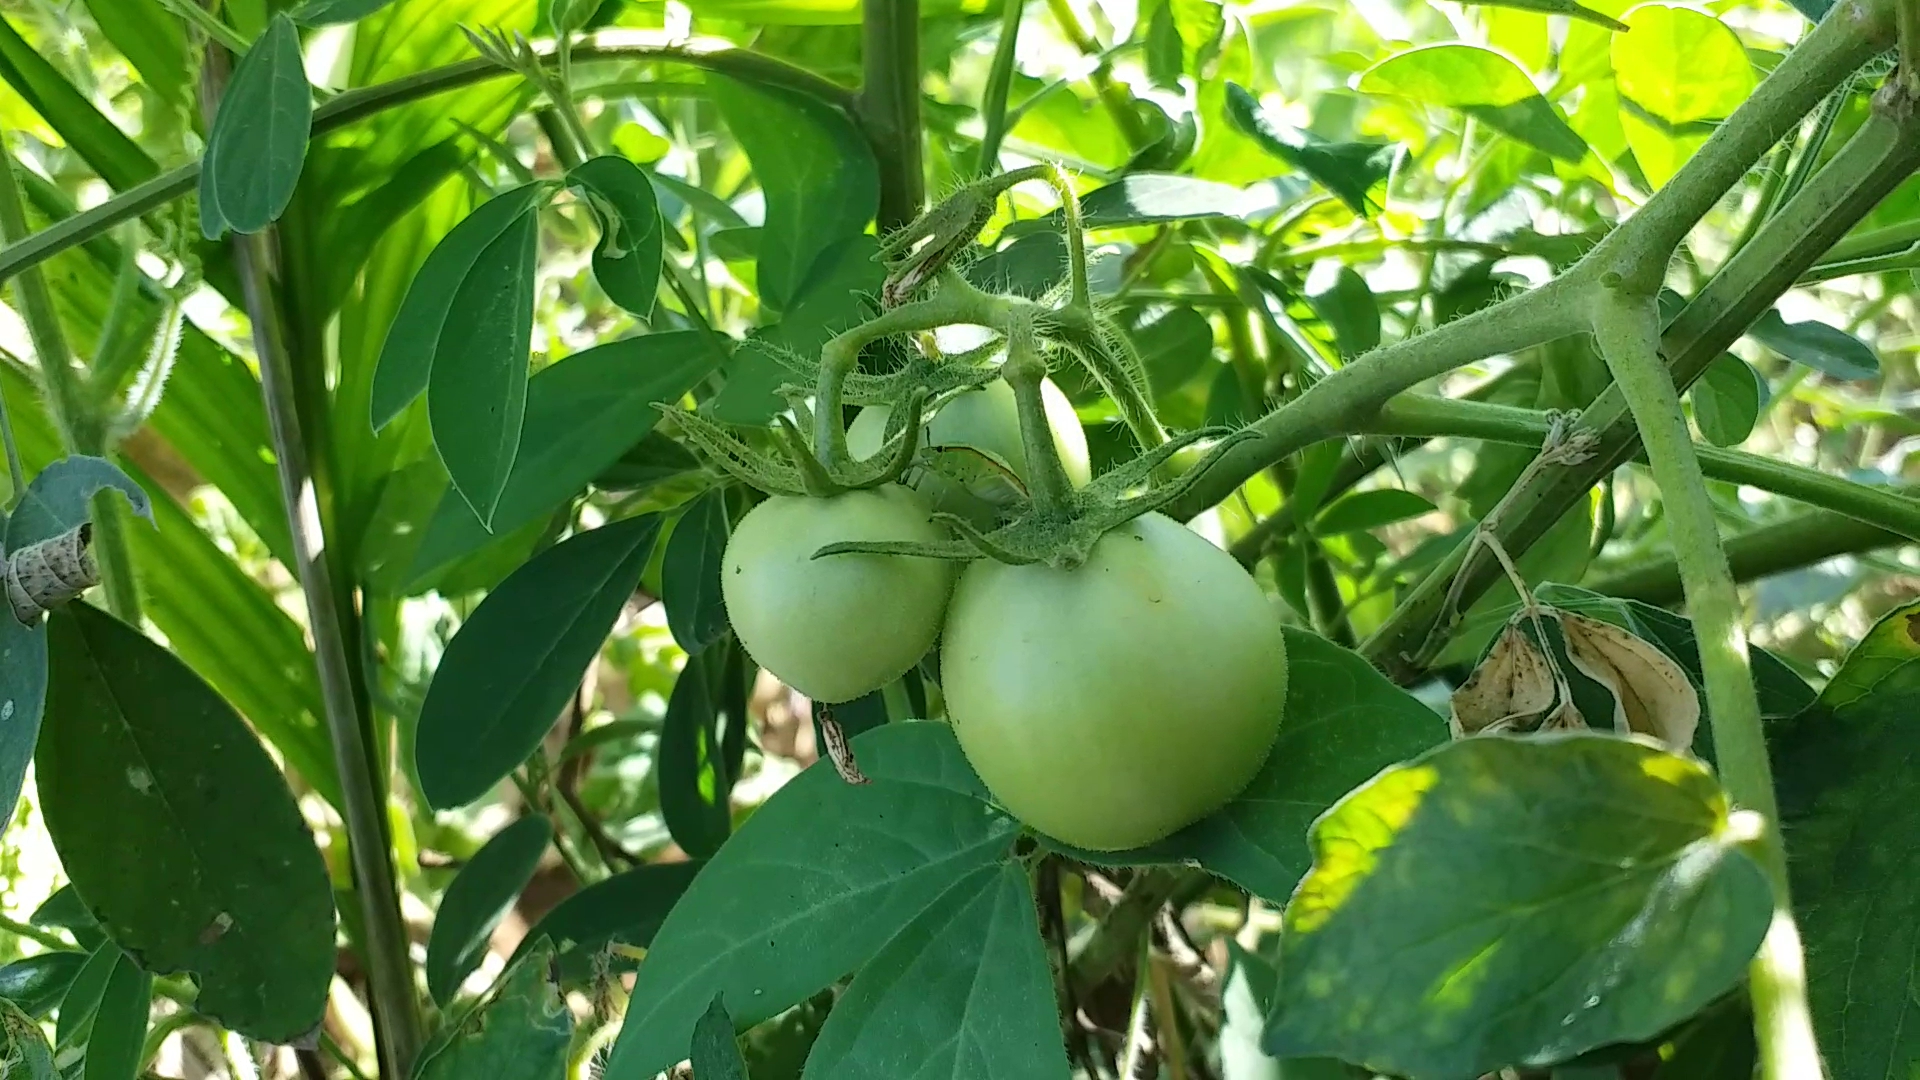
1800	541
889	106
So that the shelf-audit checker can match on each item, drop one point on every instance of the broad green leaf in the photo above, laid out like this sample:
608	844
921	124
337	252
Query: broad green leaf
1349	170
814	884
1154	198
82	999
37	983
1827	349
258	144
480	896
1515	902
1481	83
1727	400
1029	267
1176	347
1370	510
690	574
23	699
406	359
1560	7
583	413
716	1050
140	755
103	146
331	12
1848	802
695	782
24	1046
626	261
1679	70
521	1032
59	498
477	388
517	660
120	1023
816	171
625	909
1348	308
1344	722
962	990
835	297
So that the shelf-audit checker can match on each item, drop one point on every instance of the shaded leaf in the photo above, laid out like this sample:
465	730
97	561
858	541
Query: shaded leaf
625	909
481	895
82	999
521	1032
1827	349
258	144
120	1023
64	911
1370	510
1727	400
406	357
332	12
694	779
1348	308
1651	694
23	699
716	1050
140	755
963	990
24	1045
37	983
1481	83
1502	902
1511	687
690	574
517	661
815	883
626	261
835	297
60	497
1349	170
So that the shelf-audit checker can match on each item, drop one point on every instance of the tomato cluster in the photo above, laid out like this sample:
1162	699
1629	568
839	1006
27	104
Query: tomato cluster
1106	706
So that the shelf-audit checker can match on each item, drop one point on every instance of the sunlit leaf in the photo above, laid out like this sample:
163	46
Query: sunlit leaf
1348	170
1481	83
118	159
330	12
1679	70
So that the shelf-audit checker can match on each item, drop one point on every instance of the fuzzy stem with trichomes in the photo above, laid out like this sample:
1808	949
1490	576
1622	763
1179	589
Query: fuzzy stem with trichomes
993	103
1626	327
1025	370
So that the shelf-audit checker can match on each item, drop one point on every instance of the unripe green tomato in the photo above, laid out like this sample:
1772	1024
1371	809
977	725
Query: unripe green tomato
1113	704
841	626
985	419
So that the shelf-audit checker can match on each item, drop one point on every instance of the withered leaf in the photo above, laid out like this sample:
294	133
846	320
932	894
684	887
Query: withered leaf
1510	688
1651	694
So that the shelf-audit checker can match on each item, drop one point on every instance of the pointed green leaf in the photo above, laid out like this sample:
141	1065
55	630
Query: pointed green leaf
1370	510
716	1050
1824	348
816	171
583	413
153	786
626	261
815	883
521	1032
694	781
82	999
626	909
477	389
258	144
1483	84
1347	306
1349	170
1727	400
1504	902
406	358
37	983
690	576
516	662
963	990
120	1023
480	896
65	911
24	1045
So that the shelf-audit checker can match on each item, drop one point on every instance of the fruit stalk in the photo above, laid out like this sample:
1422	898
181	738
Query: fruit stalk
1024	371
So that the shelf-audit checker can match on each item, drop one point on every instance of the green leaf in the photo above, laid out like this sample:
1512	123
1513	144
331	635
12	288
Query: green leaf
1349	170
716	1050
626	261
406	359
833	299
334	12
1348	308
103	146
1165	59
140	755
120	1023
59	498
1515	902
477	388
1727	400
1848	799
64	911
480	896
1560	7
1344	722
23	700
648	463
1481	83
1370	510
82	999
962	990
817	174
516	662
1827	349
520	1033
1679	70
583	413
1155	198
695	783
815	883
690	574
37	983
1176	347
24	1045
627	909
258	144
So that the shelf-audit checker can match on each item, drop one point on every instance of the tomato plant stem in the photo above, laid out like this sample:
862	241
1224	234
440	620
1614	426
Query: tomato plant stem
993	103
889	106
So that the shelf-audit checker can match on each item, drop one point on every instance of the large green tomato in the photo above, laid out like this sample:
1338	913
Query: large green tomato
984	419
842	626
1110	705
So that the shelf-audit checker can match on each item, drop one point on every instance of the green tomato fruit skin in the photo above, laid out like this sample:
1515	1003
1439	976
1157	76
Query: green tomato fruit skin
985	419
1110	705
842	626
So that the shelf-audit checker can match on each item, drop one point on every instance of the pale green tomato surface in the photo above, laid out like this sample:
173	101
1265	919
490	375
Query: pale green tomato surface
985	419
842	626
1110	705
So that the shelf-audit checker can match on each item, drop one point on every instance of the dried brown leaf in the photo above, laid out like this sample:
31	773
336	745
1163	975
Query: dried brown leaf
1651	694
1512	687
